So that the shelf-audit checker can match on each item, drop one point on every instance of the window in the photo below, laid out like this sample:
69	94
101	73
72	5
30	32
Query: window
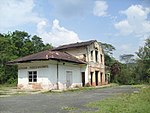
96	56
32	76
101	58
91	55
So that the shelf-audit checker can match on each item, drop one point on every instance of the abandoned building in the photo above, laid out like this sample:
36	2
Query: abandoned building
67	66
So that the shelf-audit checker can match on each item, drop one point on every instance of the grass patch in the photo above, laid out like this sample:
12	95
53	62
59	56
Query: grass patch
8	85
67	108
125	103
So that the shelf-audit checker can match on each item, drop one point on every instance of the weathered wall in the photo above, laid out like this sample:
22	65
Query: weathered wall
92	64
47	77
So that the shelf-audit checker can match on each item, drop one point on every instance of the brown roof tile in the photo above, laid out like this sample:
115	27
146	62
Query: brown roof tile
47	55
74	45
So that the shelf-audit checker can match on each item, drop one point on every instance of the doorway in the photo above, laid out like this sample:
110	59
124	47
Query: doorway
83	78
101	77
91	78
96	77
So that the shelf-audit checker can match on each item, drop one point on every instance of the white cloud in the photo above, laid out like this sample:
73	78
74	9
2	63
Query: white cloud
17	12
57	35
136	21
124	27
100	8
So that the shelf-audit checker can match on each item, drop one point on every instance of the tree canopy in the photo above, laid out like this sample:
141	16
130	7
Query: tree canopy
14	45
127	58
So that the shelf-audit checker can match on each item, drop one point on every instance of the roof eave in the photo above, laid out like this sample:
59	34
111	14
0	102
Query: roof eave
18	62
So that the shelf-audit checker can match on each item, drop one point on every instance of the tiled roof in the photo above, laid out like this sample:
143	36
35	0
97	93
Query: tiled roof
48	55
74	45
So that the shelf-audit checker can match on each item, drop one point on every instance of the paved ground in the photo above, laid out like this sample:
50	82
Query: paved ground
59	102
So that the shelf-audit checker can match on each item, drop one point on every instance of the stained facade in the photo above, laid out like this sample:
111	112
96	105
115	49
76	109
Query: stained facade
91	52
73	65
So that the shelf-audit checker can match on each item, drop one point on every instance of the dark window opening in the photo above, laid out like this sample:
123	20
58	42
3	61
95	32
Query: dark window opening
101	58
32	76
96	56
91	55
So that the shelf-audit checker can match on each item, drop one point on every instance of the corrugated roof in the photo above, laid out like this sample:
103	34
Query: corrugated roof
47	55
74	45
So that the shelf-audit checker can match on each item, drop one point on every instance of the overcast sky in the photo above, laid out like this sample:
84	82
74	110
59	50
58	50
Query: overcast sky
123	23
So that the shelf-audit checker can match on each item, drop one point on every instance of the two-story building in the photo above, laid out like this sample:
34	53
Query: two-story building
92	53
67	66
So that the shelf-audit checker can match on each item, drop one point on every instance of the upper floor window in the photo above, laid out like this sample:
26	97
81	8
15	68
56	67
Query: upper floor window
101	58
32	76
91	55
96	56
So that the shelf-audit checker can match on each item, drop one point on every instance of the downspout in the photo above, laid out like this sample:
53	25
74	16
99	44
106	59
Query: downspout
88	62
57	76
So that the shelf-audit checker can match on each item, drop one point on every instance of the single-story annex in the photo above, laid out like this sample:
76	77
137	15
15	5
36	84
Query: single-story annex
73	65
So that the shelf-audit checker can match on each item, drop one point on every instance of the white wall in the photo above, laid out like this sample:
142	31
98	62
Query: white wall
47	77
76	75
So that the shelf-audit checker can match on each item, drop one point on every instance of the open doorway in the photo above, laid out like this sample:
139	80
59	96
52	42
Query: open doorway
96	77
101	77
91	78
83	78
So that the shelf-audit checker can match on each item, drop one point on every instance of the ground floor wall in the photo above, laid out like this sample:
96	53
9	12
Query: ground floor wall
95	76
49	75
59	75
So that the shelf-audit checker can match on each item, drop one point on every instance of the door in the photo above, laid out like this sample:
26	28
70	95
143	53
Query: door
83	79
68	78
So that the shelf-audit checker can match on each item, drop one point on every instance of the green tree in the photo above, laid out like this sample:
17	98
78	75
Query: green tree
14	45
110	62
115	70
143	62
127	58
37	43
17	40
108	53
108	48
